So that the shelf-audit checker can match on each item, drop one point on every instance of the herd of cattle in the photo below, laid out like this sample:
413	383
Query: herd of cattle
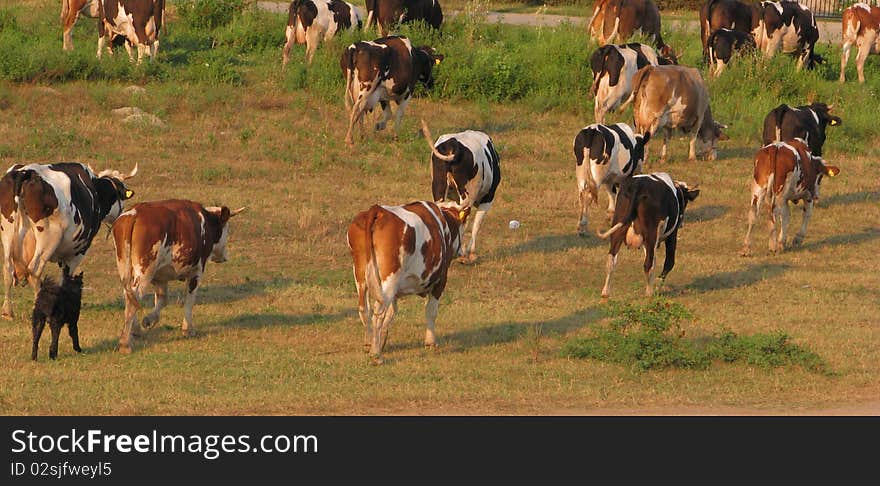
52	212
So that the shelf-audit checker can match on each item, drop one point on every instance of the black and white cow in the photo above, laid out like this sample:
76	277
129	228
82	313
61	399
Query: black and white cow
311	21
789	27
614	67
468	164
606	155
52	213
382	71
651	211
807	122
722	45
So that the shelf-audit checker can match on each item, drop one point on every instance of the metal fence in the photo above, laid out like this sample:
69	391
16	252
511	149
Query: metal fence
832	9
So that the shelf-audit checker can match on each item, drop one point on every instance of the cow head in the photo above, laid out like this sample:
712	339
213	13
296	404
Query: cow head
222	213
637	155
606	59
666	55
688	193
822	170
112	191
710	133
823	113
455	216
424	60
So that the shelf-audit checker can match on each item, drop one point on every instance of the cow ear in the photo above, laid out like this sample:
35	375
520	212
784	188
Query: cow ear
646	137
832	170
225	214
691	194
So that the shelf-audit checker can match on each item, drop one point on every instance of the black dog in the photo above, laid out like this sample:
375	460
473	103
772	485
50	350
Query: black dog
59	305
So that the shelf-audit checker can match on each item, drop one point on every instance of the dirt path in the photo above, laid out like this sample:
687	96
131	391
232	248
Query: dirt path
828	30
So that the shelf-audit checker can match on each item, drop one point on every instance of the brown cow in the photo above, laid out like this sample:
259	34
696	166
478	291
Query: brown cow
160	241
398	251
726	14
785	171
385	14
671	97
138	21
70	11
861	25
615	21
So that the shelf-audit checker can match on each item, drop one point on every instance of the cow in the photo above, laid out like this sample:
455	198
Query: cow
160	241
861	25
399	251
650	211
671	97
383	71
385	14
51	213
70	12
789	27
785	171
468	164
606	155
617	21
725	14
138	21
613	68
311	21
723	43
807	122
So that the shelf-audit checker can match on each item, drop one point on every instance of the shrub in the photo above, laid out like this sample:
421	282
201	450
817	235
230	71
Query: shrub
209	14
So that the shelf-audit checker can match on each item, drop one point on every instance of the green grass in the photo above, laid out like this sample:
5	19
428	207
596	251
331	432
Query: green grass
277	327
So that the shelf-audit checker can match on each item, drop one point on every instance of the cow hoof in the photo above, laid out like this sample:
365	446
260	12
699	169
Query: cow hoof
378	361
745	252
432	346
7	315
77	349
797	241
366	348
463	260
187	333
124	349
380	126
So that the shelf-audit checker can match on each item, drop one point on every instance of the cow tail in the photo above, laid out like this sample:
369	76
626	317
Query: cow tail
65	9
629	216
641	74
349	78
373	279
779	114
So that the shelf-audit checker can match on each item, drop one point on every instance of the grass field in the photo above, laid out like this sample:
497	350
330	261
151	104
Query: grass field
276	326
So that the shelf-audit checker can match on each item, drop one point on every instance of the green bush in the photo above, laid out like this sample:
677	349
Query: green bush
209	14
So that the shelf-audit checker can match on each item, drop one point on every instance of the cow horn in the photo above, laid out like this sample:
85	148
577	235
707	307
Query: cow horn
132	173
428	138
236	211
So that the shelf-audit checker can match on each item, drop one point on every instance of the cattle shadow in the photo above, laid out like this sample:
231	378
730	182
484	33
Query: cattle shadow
553	243
850	198
867	234
214	294
749	275
507	332
264	320
704	214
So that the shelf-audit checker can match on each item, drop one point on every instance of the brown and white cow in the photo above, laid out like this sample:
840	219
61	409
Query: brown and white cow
614	67
788	27
138	21
725	14
385	14
160	241
51	213
399	251
861	26
312	21
70	12
382	71
650	210
676	97
785	171
617	20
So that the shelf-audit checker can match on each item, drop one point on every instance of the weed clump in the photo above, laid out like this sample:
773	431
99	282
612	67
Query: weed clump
650	336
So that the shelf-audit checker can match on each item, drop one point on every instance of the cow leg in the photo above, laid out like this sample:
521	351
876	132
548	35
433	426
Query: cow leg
192	285
285	53
131	308
357	112
692	147
864	50
55	327
666	134
478	220
37	330
8	272
669	262
754	208
611	190
312	39
381	321
386	115
44	247
398	115
808	211
650	249
73	331
431	308
585	197
364	312
67	42
844	58
161	300
617	239
102	42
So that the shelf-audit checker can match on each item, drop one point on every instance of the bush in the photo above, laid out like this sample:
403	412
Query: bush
209	14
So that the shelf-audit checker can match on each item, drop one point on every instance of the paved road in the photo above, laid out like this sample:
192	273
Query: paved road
828	31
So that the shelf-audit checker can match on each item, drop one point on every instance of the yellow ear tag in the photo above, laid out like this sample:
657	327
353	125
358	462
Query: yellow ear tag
833	122
461	214
436	61
129	193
